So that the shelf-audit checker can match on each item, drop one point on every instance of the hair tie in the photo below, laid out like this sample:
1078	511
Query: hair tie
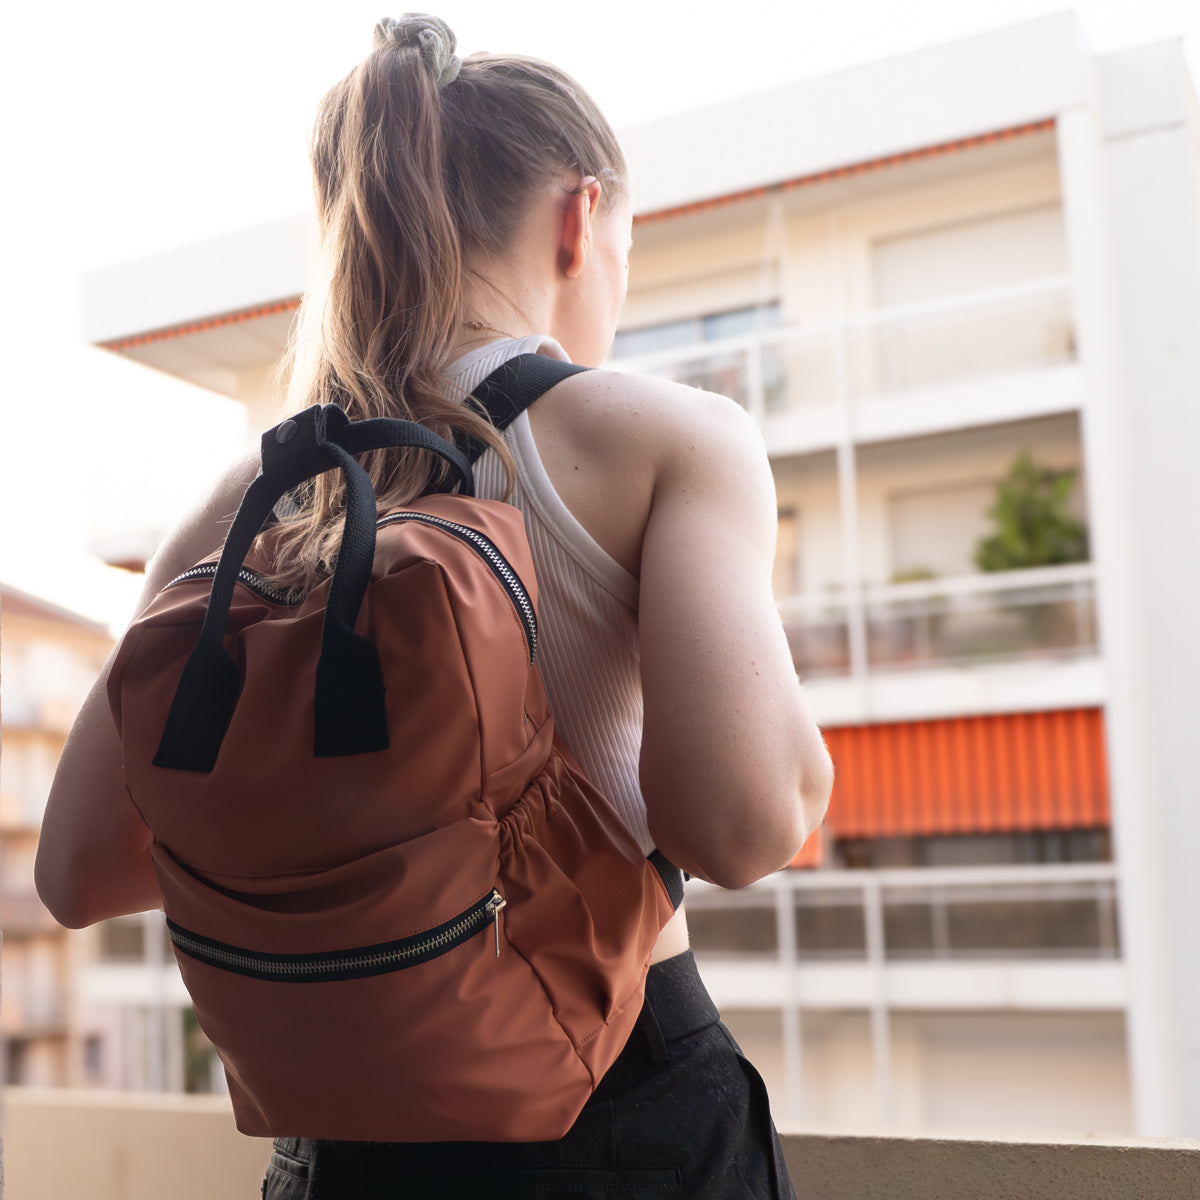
430	35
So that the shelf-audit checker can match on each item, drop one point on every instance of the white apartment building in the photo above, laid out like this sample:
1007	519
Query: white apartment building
912	273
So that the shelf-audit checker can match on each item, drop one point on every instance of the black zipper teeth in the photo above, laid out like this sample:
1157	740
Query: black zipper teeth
501	567
254	581
334	965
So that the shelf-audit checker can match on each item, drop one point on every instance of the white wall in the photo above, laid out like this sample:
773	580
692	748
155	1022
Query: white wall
983	1074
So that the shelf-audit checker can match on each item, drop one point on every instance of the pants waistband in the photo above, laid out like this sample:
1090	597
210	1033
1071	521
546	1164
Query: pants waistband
676	995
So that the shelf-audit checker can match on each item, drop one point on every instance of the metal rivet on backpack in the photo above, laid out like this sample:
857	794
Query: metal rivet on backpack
285	432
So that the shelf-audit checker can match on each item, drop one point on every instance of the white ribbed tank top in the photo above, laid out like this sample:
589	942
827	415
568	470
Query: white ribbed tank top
587	606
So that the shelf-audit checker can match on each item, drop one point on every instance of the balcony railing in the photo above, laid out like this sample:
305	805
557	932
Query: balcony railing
1001	616
22	914
960	914
29	1011
772	371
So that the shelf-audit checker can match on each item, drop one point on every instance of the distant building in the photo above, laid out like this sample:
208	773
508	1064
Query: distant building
910	273
64	1021
49	658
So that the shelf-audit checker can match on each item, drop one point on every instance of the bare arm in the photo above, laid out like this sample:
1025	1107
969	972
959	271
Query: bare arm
93	856
733	768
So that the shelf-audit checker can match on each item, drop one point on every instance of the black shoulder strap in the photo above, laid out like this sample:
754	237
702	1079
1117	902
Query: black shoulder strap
504	395
671	876
510	389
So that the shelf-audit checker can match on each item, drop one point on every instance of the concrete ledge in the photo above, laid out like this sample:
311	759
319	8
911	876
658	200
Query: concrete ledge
832	1167
68	1145
61	1145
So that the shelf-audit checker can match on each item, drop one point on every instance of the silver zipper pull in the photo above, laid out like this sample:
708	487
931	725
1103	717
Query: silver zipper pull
494	905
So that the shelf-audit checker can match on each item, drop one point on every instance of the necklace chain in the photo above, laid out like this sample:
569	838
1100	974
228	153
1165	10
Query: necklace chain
480	327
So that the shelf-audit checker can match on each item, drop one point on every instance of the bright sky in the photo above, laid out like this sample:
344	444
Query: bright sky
137	125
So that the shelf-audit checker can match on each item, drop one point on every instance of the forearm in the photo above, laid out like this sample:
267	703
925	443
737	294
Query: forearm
93	856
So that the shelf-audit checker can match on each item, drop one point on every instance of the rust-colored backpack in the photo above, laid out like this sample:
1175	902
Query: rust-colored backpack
401	911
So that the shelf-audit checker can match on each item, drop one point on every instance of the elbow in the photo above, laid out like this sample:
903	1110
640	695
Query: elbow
739	848
734	830
65	906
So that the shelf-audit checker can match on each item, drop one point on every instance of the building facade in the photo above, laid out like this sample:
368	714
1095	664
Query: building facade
49	657
958	291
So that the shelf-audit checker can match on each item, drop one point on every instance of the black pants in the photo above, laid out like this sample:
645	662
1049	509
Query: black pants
681	1115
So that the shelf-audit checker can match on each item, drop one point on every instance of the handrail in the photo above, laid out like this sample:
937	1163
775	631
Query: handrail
948	586
961	302
899	878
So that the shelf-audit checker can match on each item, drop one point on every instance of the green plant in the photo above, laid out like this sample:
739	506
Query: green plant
913	575
1033	526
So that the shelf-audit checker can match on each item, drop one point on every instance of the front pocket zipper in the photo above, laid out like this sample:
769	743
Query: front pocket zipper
501	567
333	965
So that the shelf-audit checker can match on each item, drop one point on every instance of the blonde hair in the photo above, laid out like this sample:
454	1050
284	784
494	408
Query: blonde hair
415	170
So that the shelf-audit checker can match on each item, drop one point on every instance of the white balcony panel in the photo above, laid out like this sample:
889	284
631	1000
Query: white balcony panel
1092	987
816	426
134	984
990	400
933	692
957	987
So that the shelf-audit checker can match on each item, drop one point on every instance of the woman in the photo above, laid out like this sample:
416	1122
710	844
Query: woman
471	211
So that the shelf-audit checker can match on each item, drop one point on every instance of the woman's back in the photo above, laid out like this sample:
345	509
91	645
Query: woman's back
459	201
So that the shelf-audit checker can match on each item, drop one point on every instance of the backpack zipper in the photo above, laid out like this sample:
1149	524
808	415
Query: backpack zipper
486	550
334	965
252	579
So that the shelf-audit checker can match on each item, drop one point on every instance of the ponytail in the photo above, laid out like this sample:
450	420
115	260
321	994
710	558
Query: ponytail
419	160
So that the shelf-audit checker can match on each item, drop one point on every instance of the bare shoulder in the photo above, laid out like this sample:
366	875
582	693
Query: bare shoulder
642	416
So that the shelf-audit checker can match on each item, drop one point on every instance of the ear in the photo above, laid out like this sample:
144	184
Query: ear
578	214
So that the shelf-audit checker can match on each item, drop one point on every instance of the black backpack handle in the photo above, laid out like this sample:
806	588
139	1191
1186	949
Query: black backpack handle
349	710
350	715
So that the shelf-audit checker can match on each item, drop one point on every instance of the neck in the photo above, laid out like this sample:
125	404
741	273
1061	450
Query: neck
500	300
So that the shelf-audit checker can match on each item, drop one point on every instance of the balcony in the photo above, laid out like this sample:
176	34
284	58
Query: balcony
1004	937
33	1012
976	358
878	1000
897	651
50	714
995	617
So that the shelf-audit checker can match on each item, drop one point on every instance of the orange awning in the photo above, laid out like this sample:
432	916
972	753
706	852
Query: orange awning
992	774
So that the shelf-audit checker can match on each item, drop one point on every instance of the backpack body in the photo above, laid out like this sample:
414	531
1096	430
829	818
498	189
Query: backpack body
443	936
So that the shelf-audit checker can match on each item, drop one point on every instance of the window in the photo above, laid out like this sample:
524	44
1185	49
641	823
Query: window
751	375
691	331
970	256
786	577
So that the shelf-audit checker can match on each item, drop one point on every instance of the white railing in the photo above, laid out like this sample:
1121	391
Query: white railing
1047	932
771	371
1051	911
988	617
